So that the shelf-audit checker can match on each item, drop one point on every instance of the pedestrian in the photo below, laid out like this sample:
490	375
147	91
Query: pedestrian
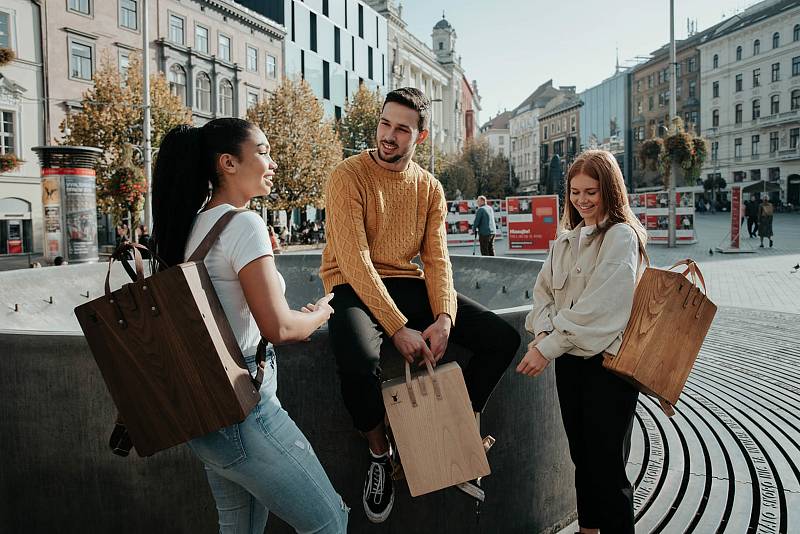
382	211
765	212
273	239
484	226
263	464
582	302
751	210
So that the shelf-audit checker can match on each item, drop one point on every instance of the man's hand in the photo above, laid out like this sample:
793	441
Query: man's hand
410	344
533	363
437	335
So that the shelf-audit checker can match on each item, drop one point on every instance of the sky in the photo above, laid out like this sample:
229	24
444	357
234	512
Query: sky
512	46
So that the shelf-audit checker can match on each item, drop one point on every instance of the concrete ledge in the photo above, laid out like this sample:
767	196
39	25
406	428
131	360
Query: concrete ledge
57	475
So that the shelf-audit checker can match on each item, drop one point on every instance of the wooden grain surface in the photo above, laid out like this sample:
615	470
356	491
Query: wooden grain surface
438	440
173	375
669	321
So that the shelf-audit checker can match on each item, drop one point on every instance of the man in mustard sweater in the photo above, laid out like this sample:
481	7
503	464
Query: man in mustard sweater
383	210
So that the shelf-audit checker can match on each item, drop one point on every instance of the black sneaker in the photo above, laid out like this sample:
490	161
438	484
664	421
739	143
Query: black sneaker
378	495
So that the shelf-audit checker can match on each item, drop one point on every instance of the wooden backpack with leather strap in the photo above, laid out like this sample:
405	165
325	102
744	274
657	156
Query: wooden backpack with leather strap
167	353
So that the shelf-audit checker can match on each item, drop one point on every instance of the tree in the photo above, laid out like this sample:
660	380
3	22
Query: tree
111	119
360	123
714	184
490	168
304	144
458	176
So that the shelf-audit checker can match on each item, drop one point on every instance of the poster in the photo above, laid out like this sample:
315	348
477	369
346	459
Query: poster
70	213
736	215
532	223
653	212
461	215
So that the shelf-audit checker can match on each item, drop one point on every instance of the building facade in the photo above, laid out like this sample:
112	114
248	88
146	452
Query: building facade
603	117
559	131
22	126
524	133
496	133
218	56
650	95
751	98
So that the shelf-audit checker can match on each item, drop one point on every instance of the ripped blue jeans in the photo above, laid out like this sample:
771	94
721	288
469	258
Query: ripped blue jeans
265	464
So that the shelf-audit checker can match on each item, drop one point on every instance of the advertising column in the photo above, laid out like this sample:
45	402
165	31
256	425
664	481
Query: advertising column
736	215
69	202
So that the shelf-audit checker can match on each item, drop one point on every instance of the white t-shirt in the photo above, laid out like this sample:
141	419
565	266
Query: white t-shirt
244	239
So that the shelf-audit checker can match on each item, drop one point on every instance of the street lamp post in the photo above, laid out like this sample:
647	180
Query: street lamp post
672	114
433	140
147	153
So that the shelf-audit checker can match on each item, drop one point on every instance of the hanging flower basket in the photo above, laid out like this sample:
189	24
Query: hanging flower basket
650	152
9	163
6	56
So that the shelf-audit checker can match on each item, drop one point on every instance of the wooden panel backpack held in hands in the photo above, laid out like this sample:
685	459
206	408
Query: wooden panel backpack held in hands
670	318
167	352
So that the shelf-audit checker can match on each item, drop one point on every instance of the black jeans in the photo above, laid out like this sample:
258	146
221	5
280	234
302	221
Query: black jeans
487	244
597	409
752	226
356	340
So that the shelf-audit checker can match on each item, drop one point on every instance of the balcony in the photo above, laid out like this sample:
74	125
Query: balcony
788	154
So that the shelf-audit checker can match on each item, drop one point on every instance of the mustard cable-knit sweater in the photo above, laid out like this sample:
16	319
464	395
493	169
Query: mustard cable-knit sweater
377	222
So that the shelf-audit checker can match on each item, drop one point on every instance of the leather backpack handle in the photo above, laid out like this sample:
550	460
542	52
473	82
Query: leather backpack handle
211	237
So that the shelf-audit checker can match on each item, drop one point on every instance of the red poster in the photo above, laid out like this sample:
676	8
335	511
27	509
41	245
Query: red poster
736	214
532	223
651	200
14	246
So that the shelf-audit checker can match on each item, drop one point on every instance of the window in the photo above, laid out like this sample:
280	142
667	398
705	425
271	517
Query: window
738	53
202	93
7	137
201	39
337	45
678	68
715	62
715	89
80	61
252	99
650	104
127	14
756	109
754	144
226	98
737	114
660	77
690	118
176	28
369	62
638	86
794	103
639	107
361	21
545	132
794	134
177	82
796	66
691	65
80	6
252	58
774	104
224	47
756	47
313	31
756	77
124	60
738	82
337	112
293	40
693	89
272	67
796	33
325	7
650	81
773	142
715	118
776	40
326	80
776	72
5	30
737	148
714	150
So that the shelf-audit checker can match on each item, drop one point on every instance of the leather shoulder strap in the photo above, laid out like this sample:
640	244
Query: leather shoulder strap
211	237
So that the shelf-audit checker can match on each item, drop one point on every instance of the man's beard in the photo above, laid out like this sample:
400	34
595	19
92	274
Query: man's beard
390	159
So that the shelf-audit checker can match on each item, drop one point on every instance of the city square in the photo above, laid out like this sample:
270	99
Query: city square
397	147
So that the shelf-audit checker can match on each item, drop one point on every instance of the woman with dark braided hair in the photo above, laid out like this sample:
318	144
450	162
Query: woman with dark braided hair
263	464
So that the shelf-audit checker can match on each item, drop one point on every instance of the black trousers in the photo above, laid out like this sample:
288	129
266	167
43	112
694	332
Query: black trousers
487	244
597	409
356	340
752	226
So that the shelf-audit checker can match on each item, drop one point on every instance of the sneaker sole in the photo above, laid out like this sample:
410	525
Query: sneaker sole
378	518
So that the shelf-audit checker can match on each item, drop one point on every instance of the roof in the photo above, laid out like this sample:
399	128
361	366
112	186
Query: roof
563	103
539	98
442	24
500	122
751	15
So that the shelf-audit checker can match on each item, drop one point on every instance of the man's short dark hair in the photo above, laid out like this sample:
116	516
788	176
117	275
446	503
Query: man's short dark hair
414	99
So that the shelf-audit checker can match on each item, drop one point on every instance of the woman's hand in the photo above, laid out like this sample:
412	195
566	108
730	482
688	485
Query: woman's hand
533	363
322	307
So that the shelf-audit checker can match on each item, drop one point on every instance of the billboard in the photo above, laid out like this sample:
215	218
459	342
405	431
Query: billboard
532	223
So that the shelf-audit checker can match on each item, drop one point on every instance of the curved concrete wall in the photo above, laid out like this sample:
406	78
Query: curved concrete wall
57	474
